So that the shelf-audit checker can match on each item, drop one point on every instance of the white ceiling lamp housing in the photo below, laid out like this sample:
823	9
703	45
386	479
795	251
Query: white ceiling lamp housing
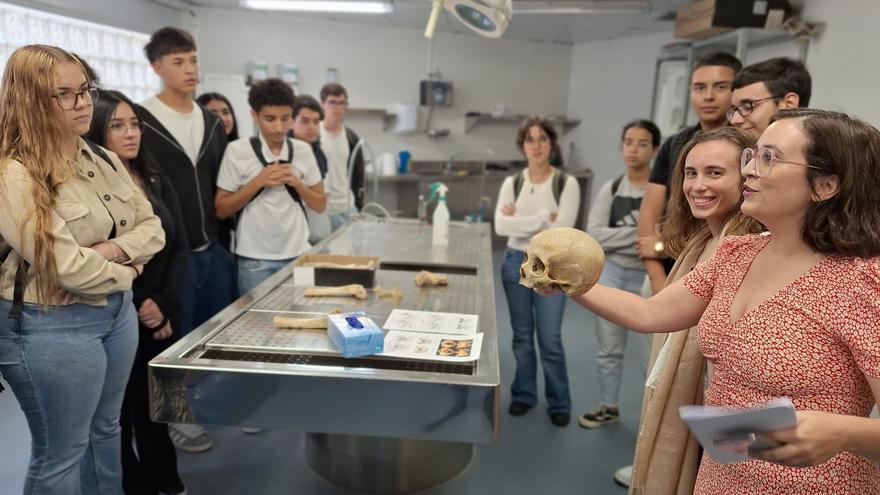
489	18
325	6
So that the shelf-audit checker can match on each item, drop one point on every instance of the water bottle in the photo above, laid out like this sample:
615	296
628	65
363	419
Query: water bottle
423	209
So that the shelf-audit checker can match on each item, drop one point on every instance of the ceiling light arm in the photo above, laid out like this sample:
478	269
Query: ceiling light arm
435	16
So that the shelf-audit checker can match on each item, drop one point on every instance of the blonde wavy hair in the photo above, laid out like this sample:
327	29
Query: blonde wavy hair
680	225
32	134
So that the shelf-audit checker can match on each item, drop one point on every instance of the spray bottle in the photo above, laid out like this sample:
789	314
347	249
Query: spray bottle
440	235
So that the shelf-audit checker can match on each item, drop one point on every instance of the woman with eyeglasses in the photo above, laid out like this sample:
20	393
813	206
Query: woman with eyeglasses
157	297
538	198
79	232
794	313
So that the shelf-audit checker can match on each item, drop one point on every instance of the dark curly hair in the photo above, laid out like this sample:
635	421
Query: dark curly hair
271	92
781	75
848	223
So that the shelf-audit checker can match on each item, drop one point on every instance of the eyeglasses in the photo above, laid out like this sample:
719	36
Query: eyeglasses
335	103
537	140
121	127
765	158
747	107
68	100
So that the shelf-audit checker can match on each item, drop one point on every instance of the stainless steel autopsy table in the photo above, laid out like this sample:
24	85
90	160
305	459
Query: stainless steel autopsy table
376	424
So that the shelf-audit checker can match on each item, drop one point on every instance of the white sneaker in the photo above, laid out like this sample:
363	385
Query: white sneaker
624	476
189	438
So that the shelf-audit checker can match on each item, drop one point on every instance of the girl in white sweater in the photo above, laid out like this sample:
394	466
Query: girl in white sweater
539	198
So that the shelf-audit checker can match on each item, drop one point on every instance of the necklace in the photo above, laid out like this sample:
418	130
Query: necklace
539	181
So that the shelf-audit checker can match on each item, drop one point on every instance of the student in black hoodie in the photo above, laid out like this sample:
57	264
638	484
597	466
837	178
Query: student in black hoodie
156	296
188	142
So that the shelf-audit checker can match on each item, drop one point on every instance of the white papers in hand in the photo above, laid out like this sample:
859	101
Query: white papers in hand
710	424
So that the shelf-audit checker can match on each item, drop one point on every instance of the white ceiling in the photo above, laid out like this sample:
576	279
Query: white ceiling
548	28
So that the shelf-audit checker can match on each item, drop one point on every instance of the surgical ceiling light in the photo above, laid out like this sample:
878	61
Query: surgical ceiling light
332	6
489	18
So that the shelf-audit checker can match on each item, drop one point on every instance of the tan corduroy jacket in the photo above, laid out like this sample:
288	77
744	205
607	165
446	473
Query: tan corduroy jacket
87	208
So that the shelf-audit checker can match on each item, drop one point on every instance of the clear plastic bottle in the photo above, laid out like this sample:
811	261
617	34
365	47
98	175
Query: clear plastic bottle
423	209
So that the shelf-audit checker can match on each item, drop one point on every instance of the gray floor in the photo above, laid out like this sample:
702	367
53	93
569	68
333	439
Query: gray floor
531	456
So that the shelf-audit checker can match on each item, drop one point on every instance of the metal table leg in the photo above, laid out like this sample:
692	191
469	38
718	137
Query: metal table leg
385	465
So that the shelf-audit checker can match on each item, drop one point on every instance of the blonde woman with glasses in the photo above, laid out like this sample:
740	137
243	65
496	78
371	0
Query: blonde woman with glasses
78	232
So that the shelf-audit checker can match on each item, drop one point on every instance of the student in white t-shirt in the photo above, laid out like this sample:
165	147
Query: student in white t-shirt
345	173
539	198
267	182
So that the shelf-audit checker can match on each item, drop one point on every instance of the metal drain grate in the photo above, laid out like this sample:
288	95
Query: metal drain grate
384	364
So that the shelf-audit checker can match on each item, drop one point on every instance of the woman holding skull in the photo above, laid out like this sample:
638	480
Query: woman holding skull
794	313
539	198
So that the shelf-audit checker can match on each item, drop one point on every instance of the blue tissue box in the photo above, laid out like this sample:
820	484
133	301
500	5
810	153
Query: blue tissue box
354	334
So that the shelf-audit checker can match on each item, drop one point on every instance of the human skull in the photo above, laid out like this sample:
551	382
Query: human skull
565	259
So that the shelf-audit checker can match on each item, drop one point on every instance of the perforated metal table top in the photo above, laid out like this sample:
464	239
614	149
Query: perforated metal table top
405	246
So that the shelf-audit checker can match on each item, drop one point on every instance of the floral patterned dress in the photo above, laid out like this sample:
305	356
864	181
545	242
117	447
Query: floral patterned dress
814	341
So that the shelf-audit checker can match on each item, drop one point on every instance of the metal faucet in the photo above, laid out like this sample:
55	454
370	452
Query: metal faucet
447	169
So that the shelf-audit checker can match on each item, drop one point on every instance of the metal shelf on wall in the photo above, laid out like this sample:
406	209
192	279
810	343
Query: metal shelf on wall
472	119
387	117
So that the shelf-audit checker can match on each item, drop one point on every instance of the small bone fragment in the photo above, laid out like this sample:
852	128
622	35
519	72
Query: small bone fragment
392	293
428	278
354	290
286	322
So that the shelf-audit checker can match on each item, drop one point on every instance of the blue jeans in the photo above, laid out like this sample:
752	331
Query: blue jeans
251	271
612	337
340	219
531	313
68	367
210	286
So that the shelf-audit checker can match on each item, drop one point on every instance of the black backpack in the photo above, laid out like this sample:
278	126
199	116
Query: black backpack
559	178
258	150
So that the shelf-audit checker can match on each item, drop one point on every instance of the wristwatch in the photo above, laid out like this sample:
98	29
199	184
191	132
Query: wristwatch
659	247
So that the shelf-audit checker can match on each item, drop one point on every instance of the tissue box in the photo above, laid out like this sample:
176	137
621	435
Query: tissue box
331	270
355	335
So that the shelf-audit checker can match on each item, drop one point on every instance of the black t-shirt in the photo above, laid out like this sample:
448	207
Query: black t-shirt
668	154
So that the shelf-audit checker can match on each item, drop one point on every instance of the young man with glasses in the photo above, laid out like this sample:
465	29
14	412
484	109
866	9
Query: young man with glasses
760	90
344	183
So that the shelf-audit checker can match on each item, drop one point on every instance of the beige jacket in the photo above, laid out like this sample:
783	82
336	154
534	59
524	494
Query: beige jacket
667	455
86	209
